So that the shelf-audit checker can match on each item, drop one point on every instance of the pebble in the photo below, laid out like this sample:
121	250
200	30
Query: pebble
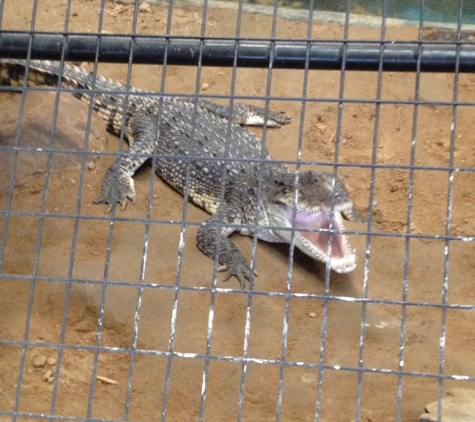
51	361
144	7
312	314
91	165
205	86
39	361
155	196
48	376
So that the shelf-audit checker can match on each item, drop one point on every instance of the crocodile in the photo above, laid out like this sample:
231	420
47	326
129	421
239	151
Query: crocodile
205	151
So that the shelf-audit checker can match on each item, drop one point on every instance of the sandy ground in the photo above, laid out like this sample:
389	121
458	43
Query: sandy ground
46	239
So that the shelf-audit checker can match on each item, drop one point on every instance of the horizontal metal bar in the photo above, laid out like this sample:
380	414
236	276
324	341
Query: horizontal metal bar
221	52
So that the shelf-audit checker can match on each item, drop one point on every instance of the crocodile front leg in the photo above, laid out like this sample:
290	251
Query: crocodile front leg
229	255
118	184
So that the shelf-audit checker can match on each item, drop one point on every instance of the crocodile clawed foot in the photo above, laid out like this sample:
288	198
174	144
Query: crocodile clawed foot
240	270
117	186
258	116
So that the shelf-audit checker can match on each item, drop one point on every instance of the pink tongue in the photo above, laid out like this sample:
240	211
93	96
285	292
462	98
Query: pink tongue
315	221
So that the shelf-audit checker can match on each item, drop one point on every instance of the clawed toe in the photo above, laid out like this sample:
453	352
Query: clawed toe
117	187
240	270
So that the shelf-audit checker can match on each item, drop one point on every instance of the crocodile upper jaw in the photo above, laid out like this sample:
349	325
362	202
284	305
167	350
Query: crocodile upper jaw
313	231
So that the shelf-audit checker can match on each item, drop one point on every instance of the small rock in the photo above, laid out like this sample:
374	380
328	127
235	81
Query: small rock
48	376
119	9
144	7
39	361
458	405
106	380
51	361
312	314
205	86
73	181
155	196
91	165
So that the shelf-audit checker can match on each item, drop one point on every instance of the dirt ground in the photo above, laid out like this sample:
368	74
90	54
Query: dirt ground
68	257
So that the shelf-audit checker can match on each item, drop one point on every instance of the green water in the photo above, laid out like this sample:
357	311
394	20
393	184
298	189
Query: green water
434	10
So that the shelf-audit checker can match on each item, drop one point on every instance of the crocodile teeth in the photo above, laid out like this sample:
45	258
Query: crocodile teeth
321	237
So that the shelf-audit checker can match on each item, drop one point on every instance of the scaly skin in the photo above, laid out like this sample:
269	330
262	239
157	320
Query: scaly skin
197	141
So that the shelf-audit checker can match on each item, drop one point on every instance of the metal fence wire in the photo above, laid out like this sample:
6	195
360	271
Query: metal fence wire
119	316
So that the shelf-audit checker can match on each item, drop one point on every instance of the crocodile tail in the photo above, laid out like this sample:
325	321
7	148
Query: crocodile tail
108	97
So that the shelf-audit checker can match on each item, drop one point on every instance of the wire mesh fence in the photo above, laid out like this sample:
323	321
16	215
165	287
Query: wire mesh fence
111	317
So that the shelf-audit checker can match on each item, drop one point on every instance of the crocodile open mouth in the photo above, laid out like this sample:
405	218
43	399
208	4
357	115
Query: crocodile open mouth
312	236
